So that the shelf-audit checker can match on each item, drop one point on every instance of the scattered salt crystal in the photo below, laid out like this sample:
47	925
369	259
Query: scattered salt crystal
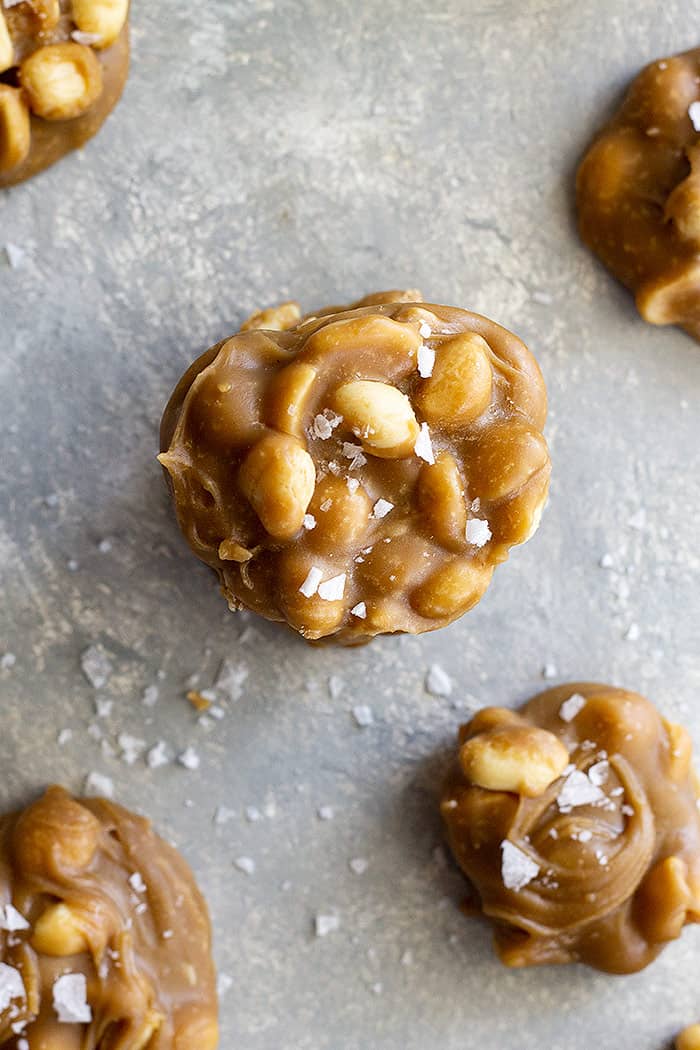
325	812
638	519
157	755
606	561
72	565
332	590
324	424
543	298
70	999
223	814
309	522
11	985
632	633
64	736
517	869
224	983
96	666
572	707
132	747
103	708
358	865
478	532
616	792
15	255
425	331
599	772
426	361
326	505
150	696
105	545
7	660
310	584
437	681
85	38
335	686
381	508
377	988
12	920
189	758
585	835
694	114
353	485
98	784
245	864
423	447
22	1044
355	454
136	882
230	679
578	790
325	924
549	671
629	812
253	814
359	610
363	715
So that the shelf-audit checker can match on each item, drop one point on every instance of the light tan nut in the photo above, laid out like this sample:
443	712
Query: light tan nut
683	208
61	81
7	51
380	416
278	478
288	396
680	750
56	835
489	718
506	458
275	318
58	932
369	345
343	521
664	299
689	1038
141	1038
15	128
314	617
452	590
522	759
441	499
662	900
459	390
232	550
104	19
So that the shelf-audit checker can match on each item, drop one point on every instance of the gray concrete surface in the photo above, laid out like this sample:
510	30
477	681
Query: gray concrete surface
326	149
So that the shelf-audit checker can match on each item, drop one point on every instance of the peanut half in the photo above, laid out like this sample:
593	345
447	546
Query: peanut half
274	319
104	19
59	932
62	81
380	416
7	51
278	477
15	128
459	390
521	759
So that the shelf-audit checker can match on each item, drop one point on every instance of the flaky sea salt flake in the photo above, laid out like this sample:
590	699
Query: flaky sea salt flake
363	715
437	681
310	584
12	920
309	522
359	610
97	784
325	924
694	114
517	869
11	985
332	590
245	864
423	447
578	790
572	707
381	508
478	532
189	759
96	666
426	361
70	999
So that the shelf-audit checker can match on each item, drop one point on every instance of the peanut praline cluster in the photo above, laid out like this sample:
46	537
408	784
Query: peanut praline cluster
362	470
638	191
104	936
576	820
63	64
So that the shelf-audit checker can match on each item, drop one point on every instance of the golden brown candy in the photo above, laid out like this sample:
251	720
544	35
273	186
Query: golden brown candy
576	821
109	936
360	471
638	191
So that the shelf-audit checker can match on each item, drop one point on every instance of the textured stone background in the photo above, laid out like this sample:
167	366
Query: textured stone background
326	149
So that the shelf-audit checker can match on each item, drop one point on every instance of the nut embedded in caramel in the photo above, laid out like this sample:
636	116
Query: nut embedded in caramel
587	851
381	458
110	942
70	59
638	192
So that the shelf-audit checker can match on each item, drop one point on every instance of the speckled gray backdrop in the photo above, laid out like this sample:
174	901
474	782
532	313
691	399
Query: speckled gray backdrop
323	150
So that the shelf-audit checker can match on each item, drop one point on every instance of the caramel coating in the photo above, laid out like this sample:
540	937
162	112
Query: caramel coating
595	862
70	60
638	191
360	471
102	898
